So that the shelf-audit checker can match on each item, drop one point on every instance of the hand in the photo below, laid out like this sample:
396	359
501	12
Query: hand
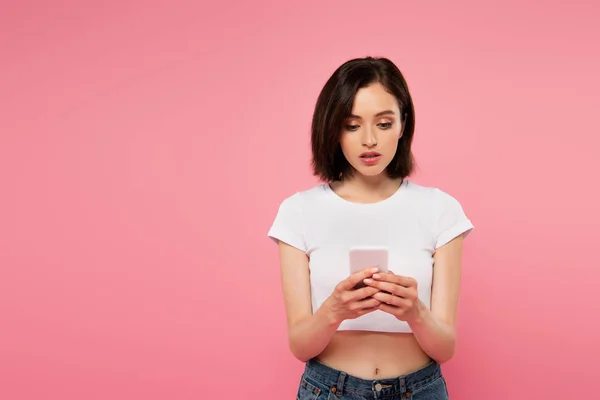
398	294
346	302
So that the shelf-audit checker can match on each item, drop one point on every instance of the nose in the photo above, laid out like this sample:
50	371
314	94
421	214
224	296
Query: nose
369	139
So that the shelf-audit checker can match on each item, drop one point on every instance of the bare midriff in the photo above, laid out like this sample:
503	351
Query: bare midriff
374	355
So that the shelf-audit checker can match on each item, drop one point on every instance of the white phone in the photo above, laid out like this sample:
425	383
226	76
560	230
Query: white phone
365	257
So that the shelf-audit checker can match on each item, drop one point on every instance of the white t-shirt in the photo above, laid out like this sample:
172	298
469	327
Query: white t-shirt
412	224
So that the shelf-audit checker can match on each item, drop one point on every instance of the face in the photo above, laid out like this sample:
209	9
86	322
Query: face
370	135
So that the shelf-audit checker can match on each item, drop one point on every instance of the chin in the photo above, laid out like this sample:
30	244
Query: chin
371	171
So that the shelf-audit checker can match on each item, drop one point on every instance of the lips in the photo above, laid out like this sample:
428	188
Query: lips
370	158
369	154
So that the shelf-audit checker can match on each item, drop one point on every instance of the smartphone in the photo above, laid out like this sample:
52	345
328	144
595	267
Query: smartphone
367	257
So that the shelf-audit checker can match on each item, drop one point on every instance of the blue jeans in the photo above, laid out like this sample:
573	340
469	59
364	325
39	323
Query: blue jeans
320	382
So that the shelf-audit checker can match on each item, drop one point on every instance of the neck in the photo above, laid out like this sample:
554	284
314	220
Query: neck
366	188
379	183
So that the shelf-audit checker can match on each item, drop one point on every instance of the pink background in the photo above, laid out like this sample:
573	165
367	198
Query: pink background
145	147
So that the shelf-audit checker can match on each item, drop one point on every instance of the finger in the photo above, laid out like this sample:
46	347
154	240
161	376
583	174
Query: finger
397	279
356	277
388	287
389	299
405	293
365	306
368	303
364	292
368	310
389	309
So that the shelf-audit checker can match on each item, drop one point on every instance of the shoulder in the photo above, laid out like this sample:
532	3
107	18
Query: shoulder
288	225
431	195
448	217
305	197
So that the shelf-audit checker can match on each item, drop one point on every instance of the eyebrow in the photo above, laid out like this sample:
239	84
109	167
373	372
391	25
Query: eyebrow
379	114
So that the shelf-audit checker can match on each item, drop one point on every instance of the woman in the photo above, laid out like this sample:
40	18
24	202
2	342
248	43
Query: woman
386	339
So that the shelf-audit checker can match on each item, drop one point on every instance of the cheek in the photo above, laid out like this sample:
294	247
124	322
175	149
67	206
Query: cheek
392	141
393	137
346	144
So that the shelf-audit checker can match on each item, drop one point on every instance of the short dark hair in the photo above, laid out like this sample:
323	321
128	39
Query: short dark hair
334	106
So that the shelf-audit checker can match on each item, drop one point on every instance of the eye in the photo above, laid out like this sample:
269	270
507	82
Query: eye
385	125
352	127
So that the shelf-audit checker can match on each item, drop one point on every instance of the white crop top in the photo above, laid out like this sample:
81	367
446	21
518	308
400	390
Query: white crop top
412	224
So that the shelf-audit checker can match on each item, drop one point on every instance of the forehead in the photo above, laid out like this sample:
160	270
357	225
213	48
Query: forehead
372	99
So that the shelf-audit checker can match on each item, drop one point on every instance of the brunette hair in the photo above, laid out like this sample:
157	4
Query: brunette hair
334	106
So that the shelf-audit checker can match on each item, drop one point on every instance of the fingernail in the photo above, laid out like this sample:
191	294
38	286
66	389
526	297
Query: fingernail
368	280
376	276
375	269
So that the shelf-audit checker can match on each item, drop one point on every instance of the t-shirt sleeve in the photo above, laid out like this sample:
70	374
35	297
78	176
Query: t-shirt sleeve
451	220
288	224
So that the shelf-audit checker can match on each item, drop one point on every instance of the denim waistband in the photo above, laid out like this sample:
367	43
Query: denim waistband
342	383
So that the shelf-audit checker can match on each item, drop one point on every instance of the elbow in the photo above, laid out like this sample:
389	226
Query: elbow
444	357
301	347
299	351
447	346
446	352
302	357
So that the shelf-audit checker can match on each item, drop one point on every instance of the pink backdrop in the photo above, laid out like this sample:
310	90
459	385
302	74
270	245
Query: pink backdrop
145	147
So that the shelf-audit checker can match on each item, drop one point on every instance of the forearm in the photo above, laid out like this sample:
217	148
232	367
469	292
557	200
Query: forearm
436	338
310	336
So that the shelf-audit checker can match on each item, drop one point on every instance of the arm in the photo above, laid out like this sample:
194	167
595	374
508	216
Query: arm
435	329
308	333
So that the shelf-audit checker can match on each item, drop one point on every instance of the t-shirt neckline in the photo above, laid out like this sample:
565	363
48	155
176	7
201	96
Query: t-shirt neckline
397	193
